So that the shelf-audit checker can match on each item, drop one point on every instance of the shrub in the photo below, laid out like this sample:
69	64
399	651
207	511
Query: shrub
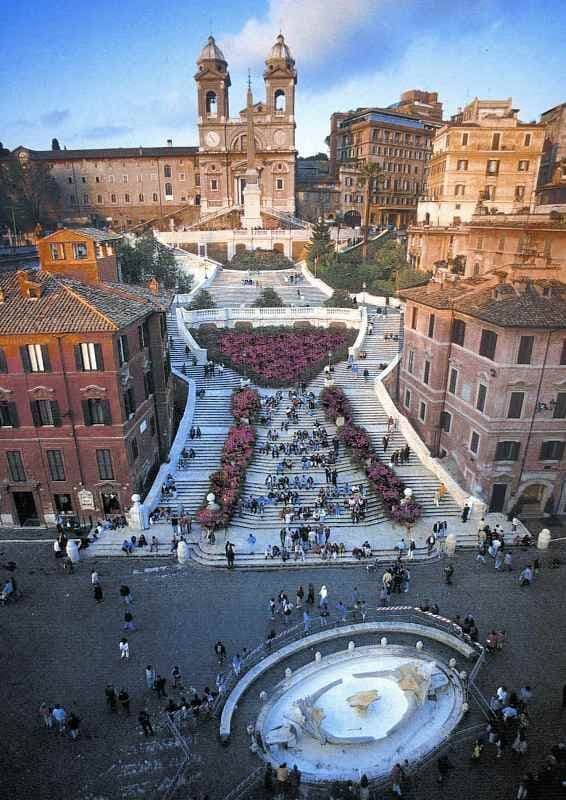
260	259
203	299
268	299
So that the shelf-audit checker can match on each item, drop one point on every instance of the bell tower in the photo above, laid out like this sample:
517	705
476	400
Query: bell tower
280	80
213	82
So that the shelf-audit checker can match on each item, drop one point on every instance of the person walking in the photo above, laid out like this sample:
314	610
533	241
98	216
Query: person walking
98	595
46	715
110	694
465	512
306	621
412	548
60	717
177	677
159	685
149	676
310	595
126	595
220	651
448	572
124	700
145	722
124	649
129	621
73	723
300	597
237	664
323	596
94	577
272	607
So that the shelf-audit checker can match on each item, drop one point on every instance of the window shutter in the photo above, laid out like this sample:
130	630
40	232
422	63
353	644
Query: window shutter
13	415
98	356
125	348
35	414
79	358
26	363
106	413
86	412
3	363
56	413
46	361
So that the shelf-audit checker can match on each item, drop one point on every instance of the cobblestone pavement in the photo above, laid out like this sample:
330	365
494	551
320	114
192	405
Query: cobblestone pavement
58	645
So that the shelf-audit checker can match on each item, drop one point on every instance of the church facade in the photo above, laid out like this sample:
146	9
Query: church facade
179	185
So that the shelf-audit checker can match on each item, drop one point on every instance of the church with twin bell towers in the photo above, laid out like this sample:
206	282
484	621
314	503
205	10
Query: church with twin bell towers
254	150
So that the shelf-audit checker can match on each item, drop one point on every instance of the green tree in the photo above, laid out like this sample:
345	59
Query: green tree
145	258
340	299
29	193
203	299
368	174
268	299
55	144
320	249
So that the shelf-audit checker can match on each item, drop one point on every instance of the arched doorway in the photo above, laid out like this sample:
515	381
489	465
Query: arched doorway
533	497
353	219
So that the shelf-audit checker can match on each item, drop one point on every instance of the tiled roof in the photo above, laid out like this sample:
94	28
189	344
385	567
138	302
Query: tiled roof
98	235
498	303
111	152
69	306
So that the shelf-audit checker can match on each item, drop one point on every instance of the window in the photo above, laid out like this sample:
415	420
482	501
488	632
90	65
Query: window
524	166
56	465
422	411
507	451
126	198
488	344
495	141
124	178
489	192
197	178
35	358
129	402
123	349
97	412
88	357
446	421
3	362
516	405
279	184
280	101
143	335
80	250
525	350
140	197
69	180
112	198
501	244
148	384
16	466
407	398
481	396
464	139
453	381
549	451
211	104
460	190
86	201
135	449
214	184
458	332
519	192
426	372
410	361
492	167
431	320
154	197
560	407
111	179
474	442
462	165
166	171
104	462
563	354
527	142
99	198
45	412
8	415
152	427
414	318
168	190
56	251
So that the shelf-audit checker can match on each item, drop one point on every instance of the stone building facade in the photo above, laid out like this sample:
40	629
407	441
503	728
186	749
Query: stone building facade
398	138
551	188
85	391
483	380
483	158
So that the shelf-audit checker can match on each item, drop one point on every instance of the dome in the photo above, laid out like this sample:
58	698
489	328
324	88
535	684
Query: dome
211	52
280	51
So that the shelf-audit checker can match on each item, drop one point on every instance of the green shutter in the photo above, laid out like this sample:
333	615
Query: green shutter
13	415
86	412
98	356
106	413
56	413
79	358
46	360
26	363
35	414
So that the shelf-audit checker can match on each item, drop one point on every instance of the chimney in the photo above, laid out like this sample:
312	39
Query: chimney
169	142
153	286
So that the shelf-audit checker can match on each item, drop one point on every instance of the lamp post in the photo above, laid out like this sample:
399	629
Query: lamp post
364	287
329	359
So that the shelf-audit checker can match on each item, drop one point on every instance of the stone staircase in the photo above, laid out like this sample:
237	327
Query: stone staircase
228	290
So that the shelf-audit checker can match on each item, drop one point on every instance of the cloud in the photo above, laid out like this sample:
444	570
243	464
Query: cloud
55	117
104	132
315	29
20	124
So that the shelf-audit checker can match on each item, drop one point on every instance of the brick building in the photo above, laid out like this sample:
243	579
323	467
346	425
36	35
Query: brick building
483	380
398	138
551	188
85	394
483	158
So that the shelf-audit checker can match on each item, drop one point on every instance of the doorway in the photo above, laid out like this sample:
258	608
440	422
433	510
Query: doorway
110	502
531	499
26	511
240	186
498	497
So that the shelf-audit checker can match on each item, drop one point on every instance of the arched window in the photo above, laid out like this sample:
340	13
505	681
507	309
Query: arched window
168	190
167	171
211	104
280	100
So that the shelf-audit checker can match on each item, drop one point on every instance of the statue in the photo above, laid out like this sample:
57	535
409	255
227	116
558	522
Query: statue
414	679
312	718
361	701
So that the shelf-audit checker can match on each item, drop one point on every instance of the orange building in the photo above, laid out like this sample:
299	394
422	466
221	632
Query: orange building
85	251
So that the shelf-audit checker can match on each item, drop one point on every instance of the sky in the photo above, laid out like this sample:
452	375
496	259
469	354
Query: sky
111	74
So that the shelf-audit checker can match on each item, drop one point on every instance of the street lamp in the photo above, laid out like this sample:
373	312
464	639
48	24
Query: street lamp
329	358
364	287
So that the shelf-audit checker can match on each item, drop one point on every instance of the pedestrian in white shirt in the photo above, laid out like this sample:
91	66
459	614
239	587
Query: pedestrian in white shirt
124	649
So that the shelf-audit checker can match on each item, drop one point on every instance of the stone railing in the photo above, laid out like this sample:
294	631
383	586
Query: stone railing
316	283
317	315
362	298
415	442
354	350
